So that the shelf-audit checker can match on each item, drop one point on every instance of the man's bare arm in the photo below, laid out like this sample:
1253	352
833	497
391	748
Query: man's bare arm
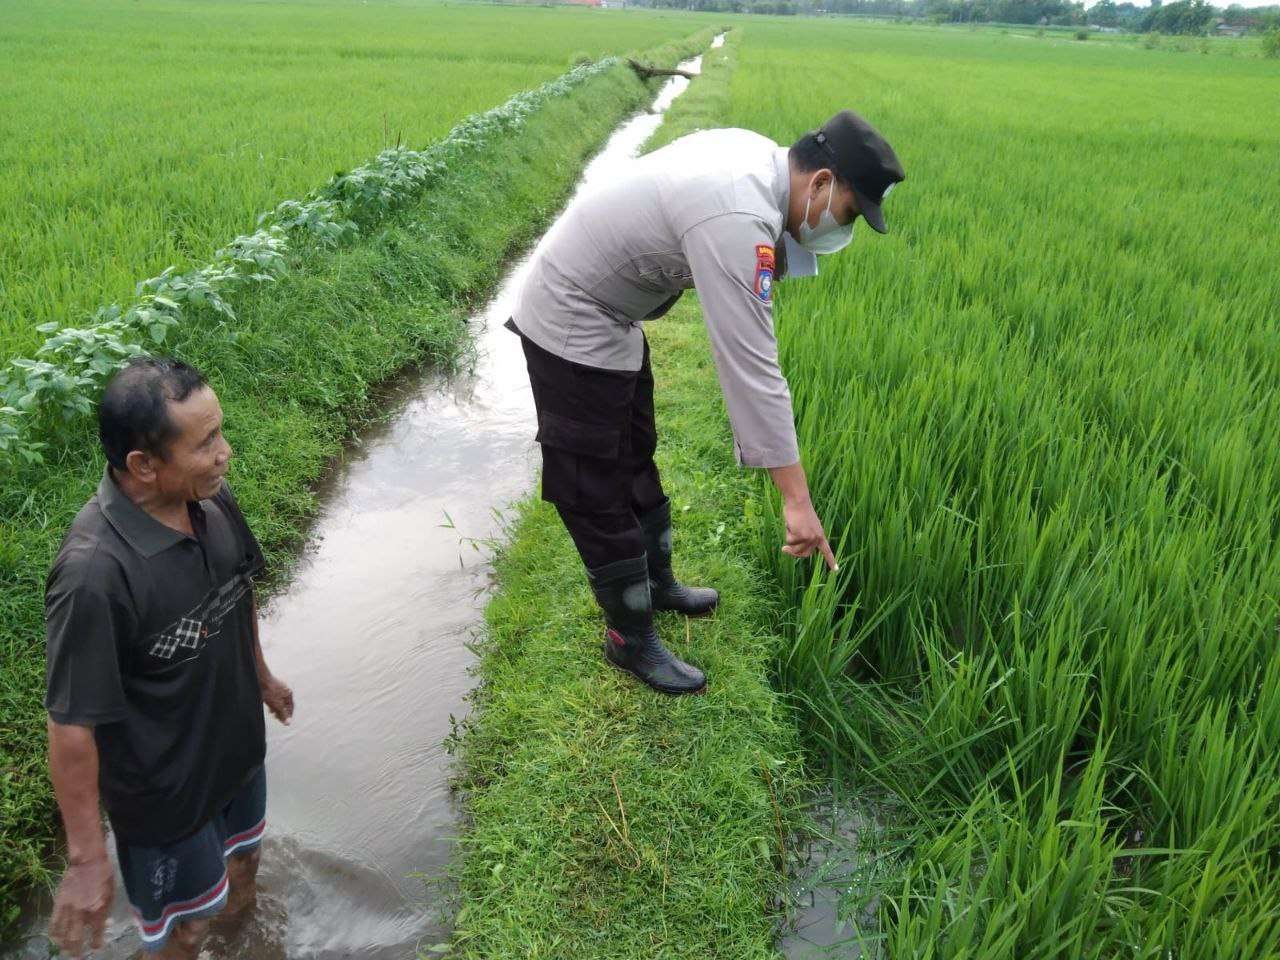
84	896
73	766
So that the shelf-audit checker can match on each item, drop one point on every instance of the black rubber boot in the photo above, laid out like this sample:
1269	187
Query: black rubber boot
668	592
631	643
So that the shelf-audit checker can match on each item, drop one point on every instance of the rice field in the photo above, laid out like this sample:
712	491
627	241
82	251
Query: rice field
1039	418
1040	424
139	135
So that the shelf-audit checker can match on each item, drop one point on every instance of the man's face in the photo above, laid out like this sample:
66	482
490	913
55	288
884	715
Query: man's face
196	458
844	205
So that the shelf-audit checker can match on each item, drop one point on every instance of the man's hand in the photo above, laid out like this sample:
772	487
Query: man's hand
804	529
276	694
804	532
84	896
278	697
81	904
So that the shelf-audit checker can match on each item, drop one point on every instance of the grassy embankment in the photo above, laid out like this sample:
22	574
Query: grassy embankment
296	372
606	820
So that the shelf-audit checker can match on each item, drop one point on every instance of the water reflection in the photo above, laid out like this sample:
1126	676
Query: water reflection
829	869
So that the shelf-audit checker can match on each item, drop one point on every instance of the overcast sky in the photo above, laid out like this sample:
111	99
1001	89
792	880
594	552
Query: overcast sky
1222	4
1245	3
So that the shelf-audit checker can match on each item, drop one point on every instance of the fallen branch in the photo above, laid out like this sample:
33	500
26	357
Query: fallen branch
645	72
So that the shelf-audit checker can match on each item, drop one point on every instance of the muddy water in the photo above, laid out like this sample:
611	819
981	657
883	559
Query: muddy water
828	866
372	633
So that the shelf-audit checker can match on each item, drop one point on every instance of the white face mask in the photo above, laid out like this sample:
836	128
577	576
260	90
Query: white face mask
829	235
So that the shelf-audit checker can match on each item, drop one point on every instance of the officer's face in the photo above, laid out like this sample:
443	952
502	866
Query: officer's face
844	205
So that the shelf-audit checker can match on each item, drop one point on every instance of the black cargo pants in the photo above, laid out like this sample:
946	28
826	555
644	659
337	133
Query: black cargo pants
598	436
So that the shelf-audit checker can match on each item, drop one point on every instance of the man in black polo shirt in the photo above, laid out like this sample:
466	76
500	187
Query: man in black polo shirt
156	680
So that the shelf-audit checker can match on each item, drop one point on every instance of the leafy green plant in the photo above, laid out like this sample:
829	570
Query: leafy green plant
259	256
202	288
74	363
321	220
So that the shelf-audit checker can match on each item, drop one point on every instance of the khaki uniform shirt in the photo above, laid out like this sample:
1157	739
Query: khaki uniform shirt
706	211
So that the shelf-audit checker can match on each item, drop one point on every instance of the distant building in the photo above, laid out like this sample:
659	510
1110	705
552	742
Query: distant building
1224	29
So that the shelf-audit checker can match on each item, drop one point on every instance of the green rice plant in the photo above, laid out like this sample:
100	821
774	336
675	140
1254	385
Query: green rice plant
1038	420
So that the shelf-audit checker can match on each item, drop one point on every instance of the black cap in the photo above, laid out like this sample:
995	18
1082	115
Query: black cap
864	159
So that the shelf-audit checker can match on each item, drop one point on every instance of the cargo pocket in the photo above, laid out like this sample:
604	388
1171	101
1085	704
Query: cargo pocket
581	466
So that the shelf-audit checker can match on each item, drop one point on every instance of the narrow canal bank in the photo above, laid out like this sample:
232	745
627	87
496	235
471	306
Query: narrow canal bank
606	820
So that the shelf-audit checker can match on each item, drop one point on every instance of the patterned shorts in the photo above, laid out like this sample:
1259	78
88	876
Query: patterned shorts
187	879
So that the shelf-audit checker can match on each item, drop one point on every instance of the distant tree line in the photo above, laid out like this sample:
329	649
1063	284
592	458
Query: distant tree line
1182	16
1178	17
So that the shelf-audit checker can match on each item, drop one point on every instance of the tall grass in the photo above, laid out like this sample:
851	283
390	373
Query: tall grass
1040	421
139	135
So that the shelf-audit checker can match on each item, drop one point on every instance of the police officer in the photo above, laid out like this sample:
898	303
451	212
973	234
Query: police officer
727	212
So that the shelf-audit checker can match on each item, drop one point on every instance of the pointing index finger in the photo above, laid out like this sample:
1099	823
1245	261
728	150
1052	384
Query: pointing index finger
828	555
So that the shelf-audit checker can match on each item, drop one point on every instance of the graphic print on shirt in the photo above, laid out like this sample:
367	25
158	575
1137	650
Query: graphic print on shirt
764	272
186	636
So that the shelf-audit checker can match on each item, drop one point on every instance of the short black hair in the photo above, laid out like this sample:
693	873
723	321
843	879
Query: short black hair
134	414
809	156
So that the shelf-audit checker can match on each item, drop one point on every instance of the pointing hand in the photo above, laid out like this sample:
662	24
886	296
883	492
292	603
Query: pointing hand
804	532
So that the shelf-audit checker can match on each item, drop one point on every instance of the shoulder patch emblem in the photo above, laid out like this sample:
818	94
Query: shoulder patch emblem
764	272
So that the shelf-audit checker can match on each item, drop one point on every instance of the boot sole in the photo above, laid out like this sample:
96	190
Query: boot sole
692	616
669	691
